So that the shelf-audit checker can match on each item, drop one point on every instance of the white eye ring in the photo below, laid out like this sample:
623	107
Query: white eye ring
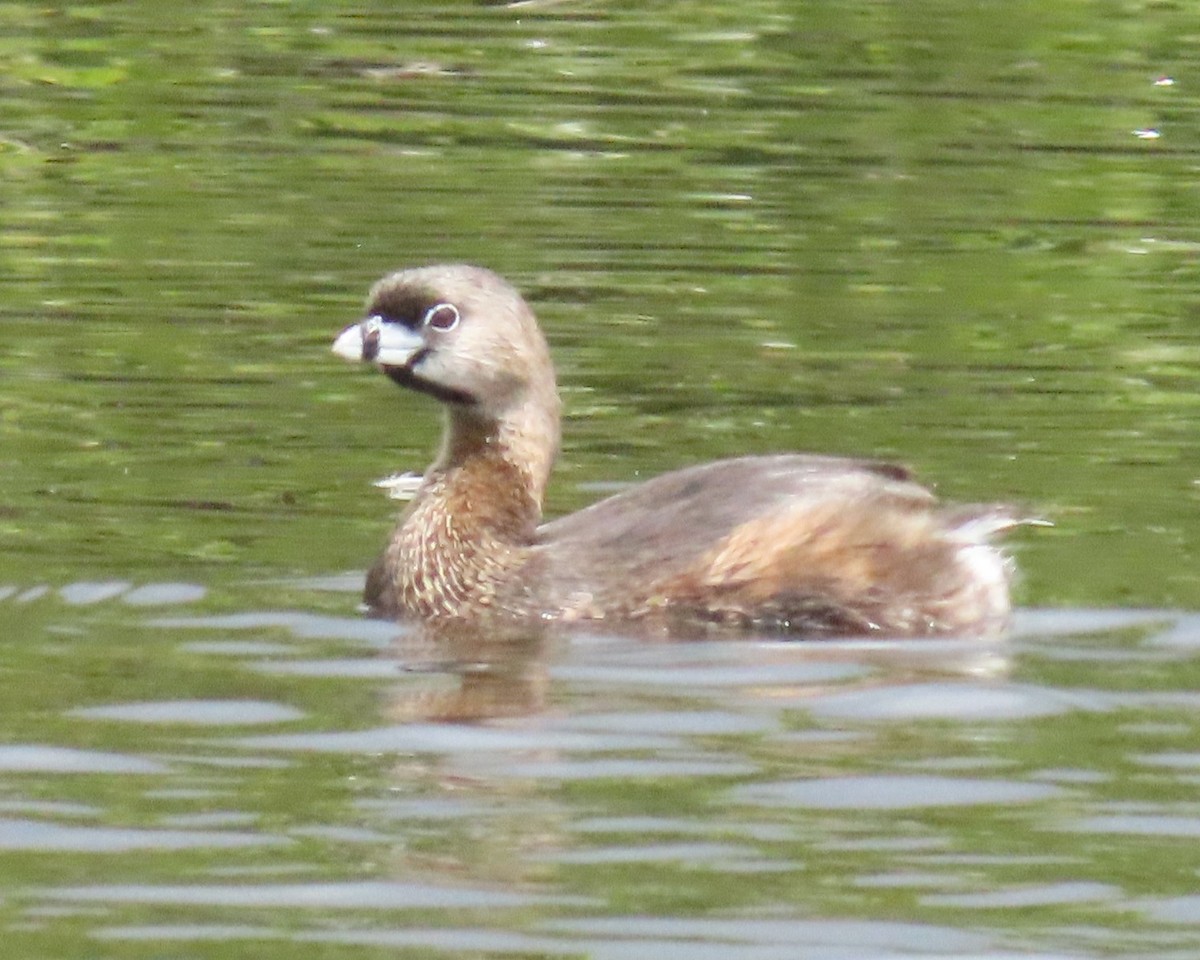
442	317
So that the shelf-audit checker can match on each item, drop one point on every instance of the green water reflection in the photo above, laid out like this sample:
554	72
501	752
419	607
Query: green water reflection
861	229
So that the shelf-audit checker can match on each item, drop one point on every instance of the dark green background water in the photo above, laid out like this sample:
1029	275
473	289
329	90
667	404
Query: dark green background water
959	235
923	231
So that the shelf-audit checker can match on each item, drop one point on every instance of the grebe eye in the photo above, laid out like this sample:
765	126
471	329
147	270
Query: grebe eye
442	316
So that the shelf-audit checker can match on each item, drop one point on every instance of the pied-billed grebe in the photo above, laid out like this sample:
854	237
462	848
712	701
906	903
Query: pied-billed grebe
809	545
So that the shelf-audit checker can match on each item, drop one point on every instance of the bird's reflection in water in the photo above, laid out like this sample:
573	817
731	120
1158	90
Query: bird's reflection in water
474	671
477	671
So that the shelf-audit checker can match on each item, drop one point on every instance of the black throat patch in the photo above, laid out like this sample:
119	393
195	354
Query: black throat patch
411	380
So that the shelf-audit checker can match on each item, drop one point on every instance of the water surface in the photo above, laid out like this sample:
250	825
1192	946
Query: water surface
963	239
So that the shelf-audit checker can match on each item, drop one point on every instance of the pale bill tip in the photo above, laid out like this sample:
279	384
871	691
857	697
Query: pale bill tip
349	343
